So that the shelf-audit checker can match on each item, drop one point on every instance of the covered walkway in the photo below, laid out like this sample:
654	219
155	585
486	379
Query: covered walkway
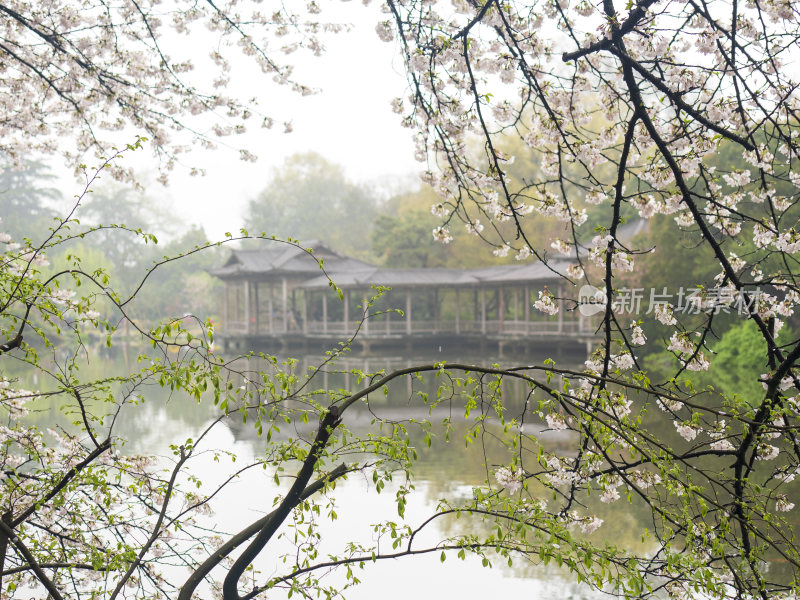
280	294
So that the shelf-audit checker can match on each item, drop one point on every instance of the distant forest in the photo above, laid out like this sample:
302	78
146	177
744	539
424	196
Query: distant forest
309	198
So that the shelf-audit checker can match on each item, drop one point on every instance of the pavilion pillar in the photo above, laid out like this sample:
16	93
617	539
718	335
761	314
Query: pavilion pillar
483	311
285	305
408	312
364	318
271	309
435	310
526	307
501	308
295	313
516	305
388	314
458	315
306	298
246	306
226	308
324	311
560	309
256	305
346	309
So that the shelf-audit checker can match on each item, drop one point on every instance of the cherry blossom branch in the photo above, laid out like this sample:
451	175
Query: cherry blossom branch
200	572
29	558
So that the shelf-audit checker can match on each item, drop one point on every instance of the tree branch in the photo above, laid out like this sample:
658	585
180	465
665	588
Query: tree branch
245	534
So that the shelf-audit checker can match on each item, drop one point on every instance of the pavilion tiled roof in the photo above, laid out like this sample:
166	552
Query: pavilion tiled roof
393	278
349	273
283	258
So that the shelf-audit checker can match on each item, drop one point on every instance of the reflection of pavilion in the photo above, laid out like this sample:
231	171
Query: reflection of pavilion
279	295
411	397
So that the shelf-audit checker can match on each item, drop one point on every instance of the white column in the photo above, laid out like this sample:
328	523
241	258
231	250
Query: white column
271	309
516	306
526	302
501	309
226	309
256	306
458	314
306	298
435	310
285	306
483	311
365	325
408	312
325	312
346	308
246	306
560	309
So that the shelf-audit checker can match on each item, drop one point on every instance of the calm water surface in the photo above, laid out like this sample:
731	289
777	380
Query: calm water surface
444	470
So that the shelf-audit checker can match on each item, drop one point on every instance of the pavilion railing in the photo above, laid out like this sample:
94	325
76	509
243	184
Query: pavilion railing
400	328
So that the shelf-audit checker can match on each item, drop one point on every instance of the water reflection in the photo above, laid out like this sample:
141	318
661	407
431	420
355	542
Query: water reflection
448	470
161	418
444	469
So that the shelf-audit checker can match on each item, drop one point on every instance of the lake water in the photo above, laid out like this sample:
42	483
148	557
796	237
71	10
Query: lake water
444	470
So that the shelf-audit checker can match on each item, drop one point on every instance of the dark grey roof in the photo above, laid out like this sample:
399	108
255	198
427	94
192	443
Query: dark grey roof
534	271
400	278
280	257
349	273
392	278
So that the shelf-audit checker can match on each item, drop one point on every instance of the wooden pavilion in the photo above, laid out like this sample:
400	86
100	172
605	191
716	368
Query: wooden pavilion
280	295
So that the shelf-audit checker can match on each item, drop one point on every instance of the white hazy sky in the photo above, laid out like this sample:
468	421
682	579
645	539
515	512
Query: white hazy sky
350	123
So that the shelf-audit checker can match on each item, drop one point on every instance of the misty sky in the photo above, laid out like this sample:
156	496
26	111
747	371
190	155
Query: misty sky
350	123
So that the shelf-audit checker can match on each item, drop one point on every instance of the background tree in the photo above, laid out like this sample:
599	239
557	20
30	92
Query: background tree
117	206
678	88
24	196
182	286
309	198
402	235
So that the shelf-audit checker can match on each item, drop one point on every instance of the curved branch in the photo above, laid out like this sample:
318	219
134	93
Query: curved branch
197	576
